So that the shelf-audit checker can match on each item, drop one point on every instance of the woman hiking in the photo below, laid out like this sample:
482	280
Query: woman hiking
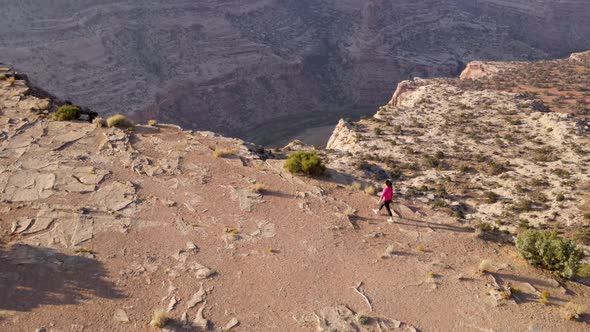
385	200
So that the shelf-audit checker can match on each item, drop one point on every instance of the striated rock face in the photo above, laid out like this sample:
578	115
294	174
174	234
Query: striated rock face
279	66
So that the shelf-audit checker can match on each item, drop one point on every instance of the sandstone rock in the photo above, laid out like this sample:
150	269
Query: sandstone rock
197	298
200	320
201	272
23	186
42	222
246	199
114	196
191	246
21	225
121	316
67	137
231	324
184	318
172	303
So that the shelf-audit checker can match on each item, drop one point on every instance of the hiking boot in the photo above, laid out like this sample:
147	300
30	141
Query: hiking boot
375	211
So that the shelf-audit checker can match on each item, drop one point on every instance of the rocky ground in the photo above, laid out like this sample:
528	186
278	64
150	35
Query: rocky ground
101	227
482	153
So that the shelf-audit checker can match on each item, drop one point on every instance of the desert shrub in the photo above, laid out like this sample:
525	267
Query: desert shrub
495	168
572	311
562	173
356	185
491	197
432	162
303	162
395	173
584	271
560	197
524	205
370	190
222	153
440	203
547	250
363	320
152	123
464	168
257	188
485	266
119	121
350	211
66	113
159	319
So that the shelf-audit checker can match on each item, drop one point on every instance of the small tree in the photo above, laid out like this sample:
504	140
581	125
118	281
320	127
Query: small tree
302	162
547	250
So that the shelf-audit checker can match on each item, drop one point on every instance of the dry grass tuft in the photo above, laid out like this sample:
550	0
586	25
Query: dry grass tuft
10	81
350	211
572	311
159	319
258	188
544	298
389	251
485	266
356	185
370	190
119	121
222	153
363	319
152	123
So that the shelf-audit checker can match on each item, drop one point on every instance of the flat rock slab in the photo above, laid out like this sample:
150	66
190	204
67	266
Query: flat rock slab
61	141
22	186
114	196
121	316
246	199
21	225
231	324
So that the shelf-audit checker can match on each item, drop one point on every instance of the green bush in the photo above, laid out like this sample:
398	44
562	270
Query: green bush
66	113
302	162
547	250
584	271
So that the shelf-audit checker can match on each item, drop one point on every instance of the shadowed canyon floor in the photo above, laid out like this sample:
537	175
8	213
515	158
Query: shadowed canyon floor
267	70
100	227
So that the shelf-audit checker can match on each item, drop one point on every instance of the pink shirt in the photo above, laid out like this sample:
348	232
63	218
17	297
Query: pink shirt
387	194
